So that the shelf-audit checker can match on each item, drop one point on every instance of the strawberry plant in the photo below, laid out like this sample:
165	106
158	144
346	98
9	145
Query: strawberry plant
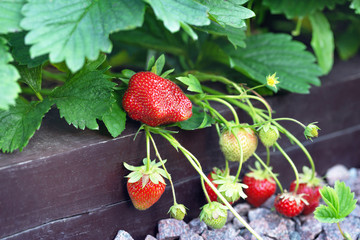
151	61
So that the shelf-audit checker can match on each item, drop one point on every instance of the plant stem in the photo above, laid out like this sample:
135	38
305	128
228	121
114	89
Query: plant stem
297	30
147	134
267	156
291	163
241	156
30	91
271	173
341	231
281	128
236	118
61	77
163	165
189	156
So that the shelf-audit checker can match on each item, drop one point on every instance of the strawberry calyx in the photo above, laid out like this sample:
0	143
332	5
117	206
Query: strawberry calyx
259	173
292	196
230	188
177	211
213	211
311	131
150	171
307	177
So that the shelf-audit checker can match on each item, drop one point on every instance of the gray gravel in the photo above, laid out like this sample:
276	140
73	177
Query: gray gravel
266	222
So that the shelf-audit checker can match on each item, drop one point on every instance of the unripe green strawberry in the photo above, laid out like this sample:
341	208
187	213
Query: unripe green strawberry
230	146
268	135
154	100
214	214
177	211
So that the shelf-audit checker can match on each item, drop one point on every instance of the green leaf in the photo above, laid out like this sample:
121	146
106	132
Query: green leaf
73	30
159	65
346	199
19	123
9	88
21	52
340	201
235	35
85	97
269	53
322	41
326	215
115	119
150	63
31	76
355	4
294	8
199	119
175	12
229	12
10	15
166	73
192	82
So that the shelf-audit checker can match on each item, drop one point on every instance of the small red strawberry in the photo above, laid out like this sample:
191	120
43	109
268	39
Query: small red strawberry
289	204
261	186
229	144
214	175
145	185
309	187
154	100
214	215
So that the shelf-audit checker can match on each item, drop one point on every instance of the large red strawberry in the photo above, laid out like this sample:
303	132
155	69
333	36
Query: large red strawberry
308	186
230	146
261	186
154	100
289	204
145	184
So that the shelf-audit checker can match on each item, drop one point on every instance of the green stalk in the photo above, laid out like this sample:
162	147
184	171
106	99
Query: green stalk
246	97
271	173
281	128
267	156
177	145
241	156
163	165
147	148
292	165
236	118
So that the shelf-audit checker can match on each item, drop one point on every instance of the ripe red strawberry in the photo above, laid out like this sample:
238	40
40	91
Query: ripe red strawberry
230	147
309	187
289	204
261	186
214	215
214	175
154	100
311	194
145	187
